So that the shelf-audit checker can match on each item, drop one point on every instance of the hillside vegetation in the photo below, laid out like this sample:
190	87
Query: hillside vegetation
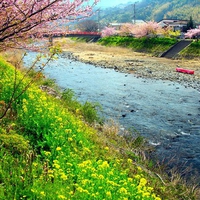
155	10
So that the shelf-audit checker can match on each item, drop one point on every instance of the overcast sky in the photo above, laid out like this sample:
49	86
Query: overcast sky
110	3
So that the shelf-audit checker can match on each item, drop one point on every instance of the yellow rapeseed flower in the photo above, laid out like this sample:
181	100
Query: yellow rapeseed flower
85	163
47	153
63	176
85	181
111	173
146	194
42	193
130	179
24	108
104	165
31	96
137	176
59	119
123	190
68	130
94	175
129	161
69	164
58	148
112	183
35	164
101	177
24	101
85	149
139	169
143	182
56	164
43	98
106	148
61	197
108	194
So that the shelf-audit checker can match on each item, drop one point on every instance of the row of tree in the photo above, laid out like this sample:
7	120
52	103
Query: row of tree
149	29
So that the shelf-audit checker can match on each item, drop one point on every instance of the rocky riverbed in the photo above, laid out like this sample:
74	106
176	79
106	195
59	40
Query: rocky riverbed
139	64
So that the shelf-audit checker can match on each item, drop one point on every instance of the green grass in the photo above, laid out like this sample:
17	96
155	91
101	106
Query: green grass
192	51
51	150
153	46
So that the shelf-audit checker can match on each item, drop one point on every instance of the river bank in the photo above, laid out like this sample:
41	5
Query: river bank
165	113
139	64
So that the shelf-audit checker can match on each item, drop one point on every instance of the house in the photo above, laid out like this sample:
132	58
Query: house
117	26
175	24
138	21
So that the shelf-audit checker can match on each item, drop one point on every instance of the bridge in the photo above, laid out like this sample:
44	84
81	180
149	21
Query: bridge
84	34
90	36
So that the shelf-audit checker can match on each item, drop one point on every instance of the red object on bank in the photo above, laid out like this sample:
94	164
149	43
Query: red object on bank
186	71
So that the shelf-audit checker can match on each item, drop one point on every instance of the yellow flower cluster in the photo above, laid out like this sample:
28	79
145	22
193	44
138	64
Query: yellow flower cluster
76	171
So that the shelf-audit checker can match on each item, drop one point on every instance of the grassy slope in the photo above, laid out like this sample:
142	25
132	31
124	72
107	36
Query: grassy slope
154	46
50	152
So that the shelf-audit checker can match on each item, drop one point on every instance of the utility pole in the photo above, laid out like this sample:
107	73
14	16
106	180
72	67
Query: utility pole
134	16
98	20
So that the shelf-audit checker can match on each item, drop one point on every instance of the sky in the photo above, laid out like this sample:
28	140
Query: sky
110	3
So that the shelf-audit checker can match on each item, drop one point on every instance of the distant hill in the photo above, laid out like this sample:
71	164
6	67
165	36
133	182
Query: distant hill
152	10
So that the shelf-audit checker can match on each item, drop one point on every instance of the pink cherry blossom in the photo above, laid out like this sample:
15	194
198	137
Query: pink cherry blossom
108	31
140	30
193	33
25	19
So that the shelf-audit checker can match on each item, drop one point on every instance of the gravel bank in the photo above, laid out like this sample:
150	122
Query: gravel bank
140	64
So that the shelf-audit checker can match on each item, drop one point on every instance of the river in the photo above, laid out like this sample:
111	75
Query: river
166	113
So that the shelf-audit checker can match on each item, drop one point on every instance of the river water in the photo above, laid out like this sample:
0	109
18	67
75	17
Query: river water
166	113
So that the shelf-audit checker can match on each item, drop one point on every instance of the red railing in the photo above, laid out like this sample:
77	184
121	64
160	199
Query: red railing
82	33
71	33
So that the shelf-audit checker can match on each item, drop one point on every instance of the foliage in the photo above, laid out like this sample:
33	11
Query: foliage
22	19
90	111
190	24
88	26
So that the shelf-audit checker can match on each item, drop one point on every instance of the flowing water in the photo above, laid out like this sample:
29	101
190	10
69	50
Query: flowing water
164	112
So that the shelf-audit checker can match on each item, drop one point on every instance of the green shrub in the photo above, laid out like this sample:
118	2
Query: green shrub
14	142
90	112
192	51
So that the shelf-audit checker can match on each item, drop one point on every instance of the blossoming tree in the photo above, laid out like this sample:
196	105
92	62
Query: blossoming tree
193	33
149	29
108	31
140	30
24	19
